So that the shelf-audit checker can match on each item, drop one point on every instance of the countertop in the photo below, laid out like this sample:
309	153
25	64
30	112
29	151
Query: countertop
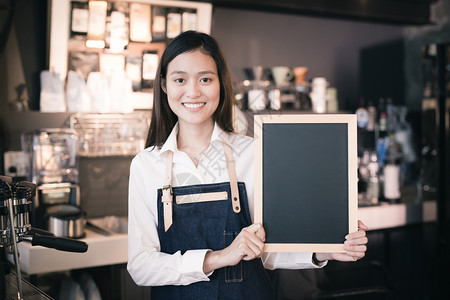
110	250
102	250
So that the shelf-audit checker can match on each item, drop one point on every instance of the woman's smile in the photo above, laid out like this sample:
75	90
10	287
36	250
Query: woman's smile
194	106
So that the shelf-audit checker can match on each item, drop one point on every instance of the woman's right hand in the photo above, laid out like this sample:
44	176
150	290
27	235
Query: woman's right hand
248	245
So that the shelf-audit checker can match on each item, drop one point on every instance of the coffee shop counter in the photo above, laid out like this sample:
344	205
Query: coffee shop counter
110	250
102	250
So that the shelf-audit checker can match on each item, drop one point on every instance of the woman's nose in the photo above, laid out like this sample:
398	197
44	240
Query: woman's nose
193	89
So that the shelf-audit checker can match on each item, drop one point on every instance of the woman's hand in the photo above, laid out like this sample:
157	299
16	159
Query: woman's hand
248	245
354	245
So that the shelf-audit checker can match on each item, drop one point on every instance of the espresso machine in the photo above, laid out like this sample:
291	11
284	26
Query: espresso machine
53	168
15	207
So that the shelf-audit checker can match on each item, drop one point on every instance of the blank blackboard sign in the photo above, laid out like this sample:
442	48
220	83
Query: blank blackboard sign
306	181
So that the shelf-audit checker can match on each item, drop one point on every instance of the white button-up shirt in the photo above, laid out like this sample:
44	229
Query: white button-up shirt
147	265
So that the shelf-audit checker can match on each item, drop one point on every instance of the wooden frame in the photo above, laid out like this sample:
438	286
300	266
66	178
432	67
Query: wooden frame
314	156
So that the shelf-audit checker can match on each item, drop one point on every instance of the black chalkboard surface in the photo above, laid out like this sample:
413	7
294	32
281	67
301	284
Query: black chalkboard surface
306	178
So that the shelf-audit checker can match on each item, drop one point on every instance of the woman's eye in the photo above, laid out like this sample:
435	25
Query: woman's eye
205	80
179	80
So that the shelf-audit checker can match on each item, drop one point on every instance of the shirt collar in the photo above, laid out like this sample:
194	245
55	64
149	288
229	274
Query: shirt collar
218	135
171	142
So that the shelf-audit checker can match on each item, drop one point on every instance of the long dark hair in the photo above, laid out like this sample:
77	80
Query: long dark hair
163	119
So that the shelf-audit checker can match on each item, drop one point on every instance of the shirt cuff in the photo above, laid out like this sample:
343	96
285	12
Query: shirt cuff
318	263
193	264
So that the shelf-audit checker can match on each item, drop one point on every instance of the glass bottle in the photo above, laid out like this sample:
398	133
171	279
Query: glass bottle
373	187
362	115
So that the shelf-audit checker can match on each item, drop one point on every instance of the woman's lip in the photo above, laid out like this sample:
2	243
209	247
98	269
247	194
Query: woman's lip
194	105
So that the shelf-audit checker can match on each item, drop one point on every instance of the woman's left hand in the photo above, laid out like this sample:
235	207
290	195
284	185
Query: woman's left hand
354	245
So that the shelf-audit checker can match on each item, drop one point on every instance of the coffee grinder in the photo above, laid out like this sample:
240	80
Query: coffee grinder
53	167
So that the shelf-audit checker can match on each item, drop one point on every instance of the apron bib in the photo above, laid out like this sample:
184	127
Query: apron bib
208	216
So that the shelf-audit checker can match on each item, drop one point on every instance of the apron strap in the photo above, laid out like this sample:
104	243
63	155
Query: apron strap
236	204
167	198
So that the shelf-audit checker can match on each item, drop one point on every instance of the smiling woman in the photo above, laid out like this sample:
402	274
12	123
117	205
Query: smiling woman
194	238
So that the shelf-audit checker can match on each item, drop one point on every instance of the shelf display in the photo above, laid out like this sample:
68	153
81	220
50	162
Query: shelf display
127	35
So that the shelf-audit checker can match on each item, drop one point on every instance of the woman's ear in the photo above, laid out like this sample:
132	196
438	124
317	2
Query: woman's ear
163	85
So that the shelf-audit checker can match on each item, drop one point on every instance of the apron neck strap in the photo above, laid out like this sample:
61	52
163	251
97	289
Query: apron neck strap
233	178
167	198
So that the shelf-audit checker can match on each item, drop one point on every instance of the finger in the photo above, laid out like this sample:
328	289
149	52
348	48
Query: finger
355	254
358	241
359	248
253	228
361	225
248	249
355	235
256	234
249	240
253	238
255	251
261	233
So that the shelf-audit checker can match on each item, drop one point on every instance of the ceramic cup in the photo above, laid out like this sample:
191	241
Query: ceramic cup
282	75
257	100
258	73
319	94
300	74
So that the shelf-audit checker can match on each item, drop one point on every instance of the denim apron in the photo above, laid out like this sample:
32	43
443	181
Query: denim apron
208	216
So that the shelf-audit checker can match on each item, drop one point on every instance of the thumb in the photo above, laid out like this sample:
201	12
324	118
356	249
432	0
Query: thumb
254	227
258	230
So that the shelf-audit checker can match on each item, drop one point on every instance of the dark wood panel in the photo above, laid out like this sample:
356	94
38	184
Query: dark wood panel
386	11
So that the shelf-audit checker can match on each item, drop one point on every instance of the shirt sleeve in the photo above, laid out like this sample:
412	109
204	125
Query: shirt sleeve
147	265
289	260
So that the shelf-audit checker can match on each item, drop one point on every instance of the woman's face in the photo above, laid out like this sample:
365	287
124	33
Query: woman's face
193	87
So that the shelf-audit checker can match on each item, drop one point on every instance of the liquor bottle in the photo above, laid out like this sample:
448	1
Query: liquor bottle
373	187
391	116
362	115
363	175
382	119
332	101
372	122
391	188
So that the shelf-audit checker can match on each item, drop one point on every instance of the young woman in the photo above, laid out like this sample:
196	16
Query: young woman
191	190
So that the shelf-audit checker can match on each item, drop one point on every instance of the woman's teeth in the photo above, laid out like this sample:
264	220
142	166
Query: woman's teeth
193	105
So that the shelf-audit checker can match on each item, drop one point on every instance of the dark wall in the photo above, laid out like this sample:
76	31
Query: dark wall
330	48
382	72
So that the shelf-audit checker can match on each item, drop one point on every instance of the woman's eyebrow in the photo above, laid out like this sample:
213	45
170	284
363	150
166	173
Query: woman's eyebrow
176	72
